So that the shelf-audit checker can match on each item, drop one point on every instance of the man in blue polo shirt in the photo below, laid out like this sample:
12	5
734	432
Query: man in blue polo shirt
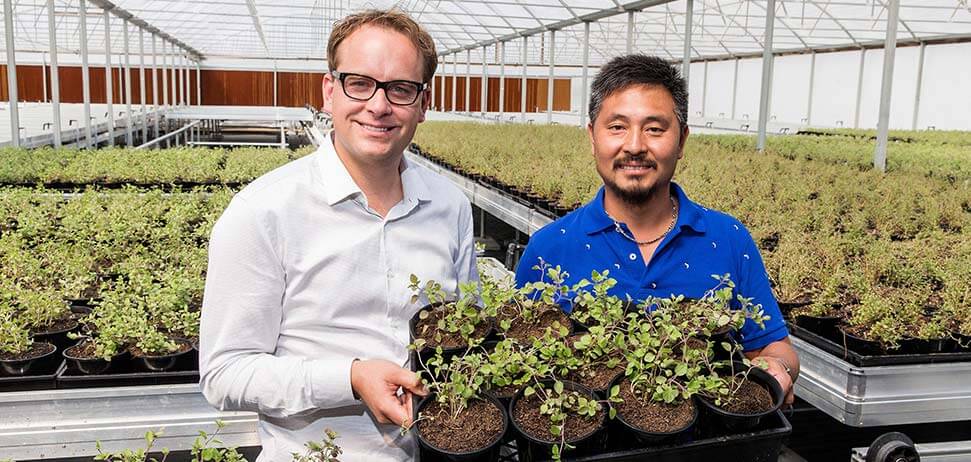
641	226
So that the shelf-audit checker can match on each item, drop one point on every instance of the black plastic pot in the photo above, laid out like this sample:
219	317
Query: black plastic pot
624	432
531	448
57	337
488	453
860	345
18	367
447	353
739	422
826	326
910	345
89	366
160	363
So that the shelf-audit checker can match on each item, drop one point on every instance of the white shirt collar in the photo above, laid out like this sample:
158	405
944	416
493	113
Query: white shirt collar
338	184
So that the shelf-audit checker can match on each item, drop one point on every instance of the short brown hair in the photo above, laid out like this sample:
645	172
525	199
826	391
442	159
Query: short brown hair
393	19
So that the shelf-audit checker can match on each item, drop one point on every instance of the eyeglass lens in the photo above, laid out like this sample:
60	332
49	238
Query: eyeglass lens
363	88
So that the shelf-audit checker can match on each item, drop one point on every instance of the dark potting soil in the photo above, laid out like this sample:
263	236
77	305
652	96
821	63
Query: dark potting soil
752	398
60	325
526	331
138	353
597	377
506	392
473	429
652	416
36	350
84	350
428	327
530	420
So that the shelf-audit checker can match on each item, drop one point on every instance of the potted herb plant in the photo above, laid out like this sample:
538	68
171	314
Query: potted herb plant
457	420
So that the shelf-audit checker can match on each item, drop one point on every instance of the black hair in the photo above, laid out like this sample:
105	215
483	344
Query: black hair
639	69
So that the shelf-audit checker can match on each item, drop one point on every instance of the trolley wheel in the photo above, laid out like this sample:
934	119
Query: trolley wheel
892	447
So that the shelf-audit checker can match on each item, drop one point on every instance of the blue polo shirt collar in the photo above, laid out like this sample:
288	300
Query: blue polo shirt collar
594	218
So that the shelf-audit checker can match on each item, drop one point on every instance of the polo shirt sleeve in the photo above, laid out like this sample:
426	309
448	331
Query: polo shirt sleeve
241	317
753	282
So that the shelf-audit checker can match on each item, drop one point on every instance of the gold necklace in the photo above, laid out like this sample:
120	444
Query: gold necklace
674	219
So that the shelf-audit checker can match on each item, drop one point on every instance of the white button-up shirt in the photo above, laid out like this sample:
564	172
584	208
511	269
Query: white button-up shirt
303	278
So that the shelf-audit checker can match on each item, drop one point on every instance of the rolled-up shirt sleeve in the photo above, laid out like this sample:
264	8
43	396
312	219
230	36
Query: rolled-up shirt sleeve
241	319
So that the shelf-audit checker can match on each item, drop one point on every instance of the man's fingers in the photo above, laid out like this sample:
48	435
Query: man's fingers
397	412
410	382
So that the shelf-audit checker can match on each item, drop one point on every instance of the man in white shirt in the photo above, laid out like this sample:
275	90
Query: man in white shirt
306	309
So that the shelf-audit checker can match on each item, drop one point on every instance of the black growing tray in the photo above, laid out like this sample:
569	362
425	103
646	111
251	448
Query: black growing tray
860	360
186	370
44	378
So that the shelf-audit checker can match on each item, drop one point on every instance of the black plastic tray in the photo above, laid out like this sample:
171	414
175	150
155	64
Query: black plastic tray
45	378
186	370
762	444
860	360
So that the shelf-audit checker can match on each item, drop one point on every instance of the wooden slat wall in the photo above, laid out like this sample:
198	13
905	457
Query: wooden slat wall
255	88
535	94
30	85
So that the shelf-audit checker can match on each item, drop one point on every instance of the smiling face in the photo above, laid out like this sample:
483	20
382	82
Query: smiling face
637	142
374	132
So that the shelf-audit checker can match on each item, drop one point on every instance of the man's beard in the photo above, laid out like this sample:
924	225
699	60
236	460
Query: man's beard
636	196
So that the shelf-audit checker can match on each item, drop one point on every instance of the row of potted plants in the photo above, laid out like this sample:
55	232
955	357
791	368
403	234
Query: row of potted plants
207	447
610	370
908	136
829	233
108	166
117	273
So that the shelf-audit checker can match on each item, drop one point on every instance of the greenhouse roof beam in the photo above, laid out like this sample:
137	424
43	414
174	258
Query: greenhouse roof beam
601	14
125	14
868	45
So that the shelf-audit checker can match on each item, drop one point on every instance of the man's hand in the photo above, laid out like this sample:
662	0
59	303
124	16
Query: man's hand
774	367
377	382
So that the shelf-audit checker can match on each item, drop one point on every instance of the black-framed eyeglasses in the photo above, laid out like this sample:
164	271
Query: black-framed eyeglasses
362	88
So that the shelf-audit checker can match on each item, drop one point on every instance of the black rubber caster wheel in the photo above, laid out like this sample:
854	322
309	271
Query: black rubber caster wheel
892	447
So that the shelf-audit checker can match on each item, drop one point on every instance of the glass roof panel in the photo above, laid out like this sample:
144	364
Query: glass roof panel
298	29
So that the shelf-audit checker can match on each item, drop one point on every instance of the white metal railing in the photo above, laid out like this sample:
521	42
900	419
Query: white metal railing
169	135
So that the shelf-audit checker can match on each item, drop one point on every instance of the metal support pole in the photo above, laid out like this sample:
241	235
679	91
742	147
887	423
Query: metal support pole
584	103
198	84
55	78
85	77
11	73
920	82
455	81
812	84
704	90
735	87
43	74
485	82
175	81
128	116
468	80
767	61
630	32
186	83
275	95
165	76
886	87
141	81
686	54
549	80
522	101
502	78
441	93
109	80
180	70
859	89
155	104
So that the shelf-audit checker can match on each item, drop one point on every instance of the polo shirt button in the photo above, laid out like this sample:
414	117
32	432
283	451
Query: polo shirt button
633	257
654	285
